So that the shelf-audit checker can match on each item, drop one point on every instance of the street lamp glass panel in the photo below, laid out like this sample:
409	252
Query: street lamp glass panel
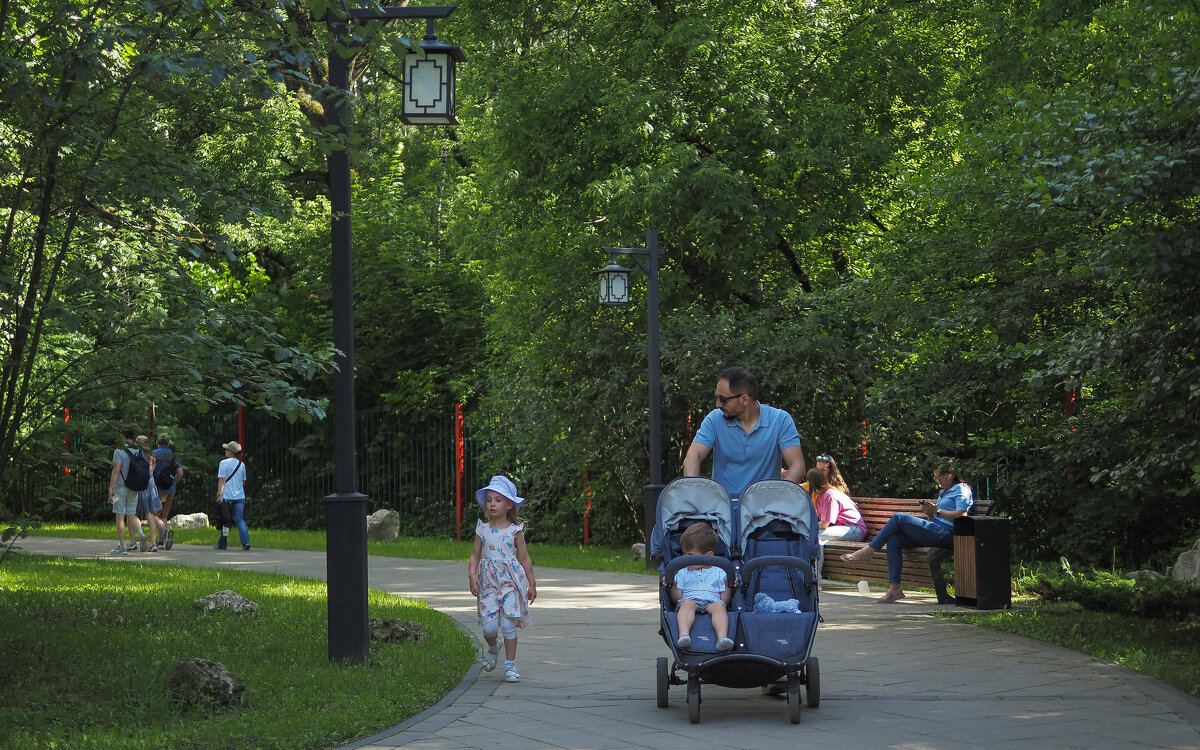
613	285
429	88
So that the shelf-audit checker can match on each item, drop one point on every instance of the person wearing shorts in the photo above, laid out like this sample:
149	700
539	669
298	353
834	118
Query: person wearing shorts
124	501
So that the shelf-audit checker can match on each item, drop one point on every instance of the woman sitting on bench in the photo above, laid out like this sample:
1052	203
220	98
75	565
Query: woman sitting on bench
935	530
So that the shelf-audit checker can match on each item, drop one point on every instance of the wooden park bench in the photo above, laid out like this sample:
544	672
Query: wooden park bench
922	565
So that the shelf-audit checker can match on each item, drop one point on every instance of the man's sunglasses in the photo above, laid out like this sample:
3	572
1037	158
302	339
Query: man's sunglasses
722	400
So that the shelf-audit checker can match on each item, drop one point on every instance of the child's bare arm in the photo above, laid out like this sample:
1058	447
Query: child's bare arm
473	566
526	564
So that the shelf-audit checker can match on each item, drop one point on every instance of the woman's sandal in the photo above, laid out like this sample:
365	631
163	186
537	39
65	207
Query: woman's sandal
889	598
852	557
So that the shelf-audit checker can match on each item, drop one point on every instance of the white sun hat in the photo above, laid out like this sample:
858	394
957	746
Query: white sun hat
502	485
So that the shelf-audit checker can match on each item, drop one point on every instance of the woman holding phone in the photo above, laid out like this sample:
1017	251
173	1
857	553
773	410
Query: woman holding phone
935	530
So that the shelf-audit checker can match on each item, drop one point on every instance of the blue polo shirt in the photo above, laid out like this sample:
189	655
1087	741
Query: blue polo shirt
740	459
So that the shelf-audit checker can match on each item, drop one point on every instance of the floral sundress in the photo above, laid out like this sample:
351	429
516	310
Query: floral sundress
502	583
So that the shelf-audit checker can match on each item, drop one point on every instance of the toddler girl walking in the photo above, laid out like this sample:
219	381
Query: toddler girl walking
500	573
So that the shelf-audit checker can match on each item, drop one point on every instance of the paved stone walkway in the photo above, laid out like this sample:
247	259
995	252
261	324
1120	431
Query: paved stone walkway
892	676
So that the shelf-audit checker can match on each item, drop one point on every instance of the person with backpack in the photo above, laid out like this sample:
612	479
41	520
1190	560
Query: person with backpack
167	472
231	495
130	475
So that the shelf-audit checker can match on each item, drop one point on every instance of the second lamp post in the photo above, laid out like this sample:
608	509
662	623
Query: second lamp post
614	290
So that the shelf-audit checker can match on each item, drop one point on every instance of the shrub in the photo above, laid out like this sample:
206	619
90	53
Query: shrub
1105	591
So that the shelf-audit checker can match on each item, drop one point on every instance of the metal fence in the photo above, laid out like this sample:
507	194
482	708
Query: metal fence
402	465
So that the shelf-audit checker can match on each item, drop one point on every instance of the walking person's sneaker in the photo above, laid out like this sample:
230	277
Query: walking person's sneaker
245	548
118	550
169	539
511	676
154	548
143	543
489	657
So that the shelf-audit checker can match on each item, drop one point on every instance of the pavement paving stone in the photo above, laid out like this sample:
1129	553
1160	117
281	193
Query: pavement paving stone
892	676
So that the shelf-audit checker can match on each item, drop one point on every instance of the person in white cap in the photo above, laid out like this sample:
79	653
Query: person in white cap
231	495
500	573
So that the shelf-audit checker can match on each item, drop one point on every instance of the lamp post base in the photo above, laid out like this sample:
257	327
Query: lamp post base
346	571
650	495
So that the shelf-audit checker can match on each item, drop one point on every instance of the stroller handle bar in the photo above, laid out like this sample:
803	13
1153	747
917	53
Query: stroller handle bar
708	560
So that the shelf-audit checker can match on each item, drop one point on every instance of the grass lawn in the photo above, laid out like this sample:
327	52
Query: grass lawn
87	646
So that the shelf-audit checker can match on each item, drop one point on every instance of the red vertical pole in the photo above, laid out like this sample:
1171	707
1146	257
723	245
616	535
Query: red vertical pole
66	496
587	513
863	413
459	469
242	426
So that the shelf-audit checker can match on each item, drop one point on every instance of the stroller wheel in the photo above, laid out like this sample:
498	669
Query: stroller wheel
693	699
812	683
663	682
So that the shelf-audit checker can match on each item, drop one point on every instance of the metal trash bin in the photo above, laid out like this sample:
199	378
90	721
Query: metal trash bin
982	550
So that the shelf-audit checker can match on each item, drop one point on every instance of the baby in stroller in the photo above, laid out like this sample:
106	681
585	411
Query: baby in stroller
701	588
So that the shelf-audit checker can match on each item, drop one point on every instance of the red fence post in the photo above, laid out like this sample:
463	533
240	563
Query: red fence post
66	496
242	425
587	521
459	470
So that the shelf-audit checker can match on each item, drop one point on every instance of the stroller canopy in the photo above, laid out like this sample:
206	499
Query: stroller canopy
694	498
777	500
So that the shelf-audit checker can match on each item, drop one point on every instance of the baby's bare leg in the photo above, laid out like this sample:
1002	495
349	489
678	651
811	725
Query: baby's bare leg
685	616
720	619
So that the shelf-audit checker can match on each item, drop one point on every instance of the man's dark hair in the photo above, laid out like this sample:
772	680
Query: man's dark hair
128	431
740	380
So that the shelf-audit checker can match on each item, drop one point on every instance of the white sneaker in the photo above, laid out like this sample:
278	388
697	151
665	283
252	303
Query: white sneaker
489	658
118	550
512	676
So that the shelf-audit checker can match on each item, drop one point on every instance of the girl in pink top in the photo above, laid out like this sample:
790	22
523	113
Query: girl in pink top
838	516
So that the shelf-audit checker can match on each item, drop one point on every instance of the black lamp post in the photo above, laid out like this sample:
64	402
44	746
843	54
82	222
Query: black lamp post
428	100
614	290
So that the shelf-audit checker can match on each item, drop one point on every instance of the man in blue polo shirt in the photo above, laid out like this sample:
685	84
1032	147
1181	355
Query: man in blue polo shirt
749	440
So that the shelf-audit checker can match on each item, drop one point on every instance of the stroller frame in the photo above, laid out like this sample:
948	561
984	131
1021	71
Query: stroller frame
757	659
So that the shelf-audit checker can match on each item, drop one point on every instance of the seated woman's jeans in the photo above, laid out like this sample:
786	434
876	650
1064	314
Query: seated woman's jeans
842	533
903	530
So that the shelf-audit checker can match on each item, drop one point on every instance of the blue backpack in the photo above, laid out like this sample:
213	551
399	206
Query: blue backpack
164	472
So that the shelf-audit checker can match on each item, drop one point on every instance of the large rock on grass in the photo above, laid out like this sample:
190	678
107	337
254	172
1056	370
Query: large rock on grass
1187	567
392	630
383	526
189	521
225	601
205	684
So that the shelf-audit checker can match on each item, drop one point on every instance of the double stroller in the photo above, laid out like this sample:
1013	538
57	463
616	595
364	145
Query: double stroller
768	544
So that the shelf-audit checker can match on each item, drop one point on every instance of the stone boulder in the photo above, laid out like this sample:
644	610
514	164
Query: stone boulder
1143	575
225	601
383	526
1187	567
189	521
393	630
639	551
203	683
